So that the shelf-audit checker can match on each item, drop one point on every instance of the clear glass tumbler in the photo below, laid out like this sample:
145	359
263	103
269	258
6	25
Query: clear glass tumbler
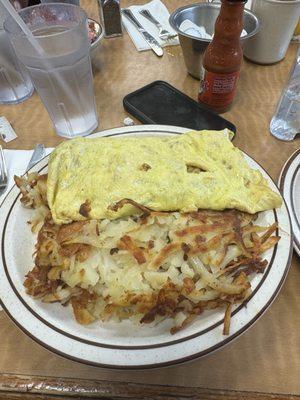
60	67
15	83
285	124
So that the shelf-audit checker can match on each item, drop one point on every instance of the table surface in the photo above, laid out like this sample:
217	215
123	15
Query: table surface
262	363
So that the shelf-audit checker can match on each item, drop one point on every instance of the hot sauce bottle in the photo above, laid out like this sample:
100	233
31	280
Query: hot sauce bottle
223	58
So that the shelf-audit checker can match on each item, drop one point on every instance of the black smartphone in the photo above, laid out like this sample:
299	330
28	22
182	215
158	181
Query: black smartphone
161	103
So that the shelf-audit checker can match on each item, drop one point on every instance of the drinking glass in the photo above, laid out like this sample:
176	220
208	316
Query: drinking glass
59	64
285	124
15	83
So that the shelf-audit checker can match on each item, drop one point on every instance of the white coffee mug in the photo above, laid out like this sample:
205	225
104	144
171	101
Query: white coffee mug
278	19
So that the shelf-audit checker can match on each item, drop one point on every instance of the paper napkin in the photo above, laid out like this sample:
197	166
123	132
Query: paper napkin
197	31
160	12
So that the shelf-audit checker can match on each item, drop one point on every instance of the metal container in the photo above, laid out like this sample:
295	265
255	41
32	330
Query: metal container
204	14
110	14
99	32
278	21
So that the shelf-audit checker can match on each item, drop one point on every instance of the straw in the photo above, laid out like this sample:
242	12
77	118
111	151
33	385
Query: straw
14	14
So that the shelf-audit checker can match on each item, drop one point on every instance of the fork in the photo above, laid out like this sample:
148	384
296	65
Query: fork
3	172
163	33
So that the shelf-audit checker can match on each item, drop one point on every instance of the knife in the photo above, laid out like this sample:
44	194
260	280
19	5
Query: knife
153	43
37	155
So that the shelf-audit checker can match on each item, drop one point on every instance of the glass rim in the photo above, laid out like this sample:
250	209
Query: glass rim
83	18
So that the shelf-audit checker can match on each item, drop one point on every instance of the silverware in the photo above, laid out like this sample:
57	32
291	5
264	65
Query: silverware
163	33
37	155
149	39
3	172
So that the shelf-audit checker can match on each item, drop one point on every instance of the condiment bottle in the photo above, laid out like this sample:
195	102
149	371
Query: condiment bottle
110	13
222	58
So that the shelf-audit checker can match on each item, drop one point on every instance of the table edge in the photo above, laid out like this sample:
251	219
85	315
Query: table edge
47	388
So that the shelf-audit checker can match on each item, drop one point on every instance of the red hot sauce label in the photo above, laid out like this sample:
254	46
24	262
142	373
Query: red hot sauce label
218	89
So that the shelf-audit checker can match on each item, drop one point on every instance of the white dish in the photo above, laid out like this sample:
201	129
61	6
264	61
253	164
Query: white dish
123	345
289	184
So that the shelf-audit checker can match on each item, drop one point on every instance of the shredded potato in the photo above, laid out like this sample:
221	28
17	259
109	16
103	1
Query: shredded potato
149	266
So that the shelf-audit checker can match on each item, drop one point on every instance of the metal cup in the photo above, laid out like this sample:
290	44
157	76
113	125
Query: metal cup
204	14
278	21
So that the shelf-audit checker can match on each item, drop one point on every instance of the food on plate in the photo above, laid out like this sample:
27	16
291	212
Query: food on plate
94	30
147	257
86	177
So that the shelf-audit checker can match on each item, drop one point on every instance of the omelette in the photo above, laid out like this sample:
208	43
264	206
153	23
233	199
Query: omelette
195	170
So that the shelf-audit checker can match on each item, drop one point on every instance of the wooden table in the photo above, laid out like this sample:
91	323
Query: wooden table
262	364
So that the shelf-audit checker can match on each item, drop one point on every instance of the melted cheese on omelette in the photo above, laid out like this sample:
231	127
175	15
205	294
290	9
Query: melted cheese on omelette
164	173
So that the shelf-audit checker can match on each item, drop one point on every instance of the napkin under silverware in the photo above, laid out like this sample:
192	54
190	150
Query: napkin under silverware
192	29
160	12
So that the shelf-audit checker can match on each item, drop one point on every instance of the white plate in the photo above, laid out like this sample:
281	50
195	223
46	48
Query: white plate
289	184
123	345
